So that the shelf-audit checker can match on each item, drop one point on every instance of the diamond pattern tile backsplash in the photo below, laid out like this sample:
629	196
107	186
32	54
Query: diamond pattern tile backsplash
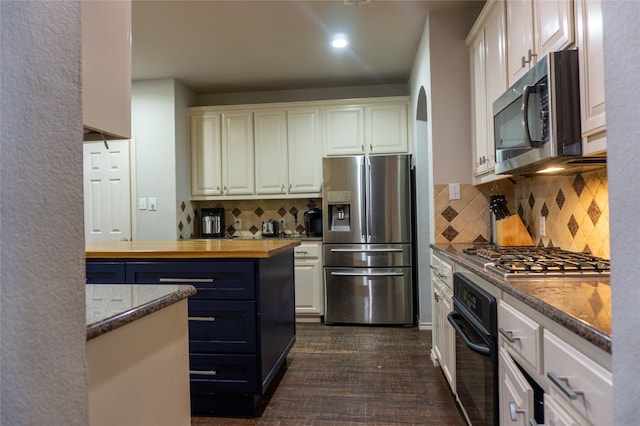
251	213
575	207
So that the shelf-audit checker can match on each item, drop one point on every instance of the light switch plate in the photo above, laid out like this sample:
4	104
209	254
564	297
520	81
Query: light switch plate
142	204
153	204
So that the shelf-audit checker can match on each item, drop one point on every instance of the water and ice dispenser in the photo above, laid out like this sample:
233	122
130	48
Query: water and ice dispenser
339	204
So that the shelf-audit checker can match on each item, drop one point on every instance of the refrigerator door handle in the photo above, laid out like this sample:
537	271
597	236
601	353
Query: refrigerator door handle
364	229
361	250
367	274
367	201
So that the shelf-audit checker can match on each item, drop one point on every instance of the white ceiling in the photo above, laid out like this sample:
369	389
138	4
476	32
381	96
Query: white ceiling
239	46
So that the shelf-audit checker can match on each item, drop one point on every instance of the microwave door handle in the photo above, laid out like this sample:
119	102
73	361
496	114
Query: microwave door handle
525	115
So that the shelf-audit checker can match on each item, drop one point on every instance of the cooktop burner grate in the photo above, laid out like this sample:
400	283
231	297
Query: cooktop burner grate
528	261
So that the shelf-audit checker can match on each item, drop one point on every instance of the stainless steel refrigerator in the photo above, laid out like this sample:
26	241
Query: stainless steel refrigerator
367	240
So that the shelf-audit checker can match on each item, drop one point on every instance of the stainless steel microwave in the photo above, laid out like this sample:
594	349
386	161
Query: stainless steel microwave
537	121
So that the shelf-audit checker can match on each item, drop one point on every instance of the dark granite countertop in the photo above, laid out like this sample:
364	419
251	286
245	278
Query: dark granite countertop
580	304
110	306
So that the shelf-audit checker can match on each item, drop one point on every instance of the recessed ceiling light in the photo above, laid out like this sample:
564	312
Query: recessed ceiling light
339	41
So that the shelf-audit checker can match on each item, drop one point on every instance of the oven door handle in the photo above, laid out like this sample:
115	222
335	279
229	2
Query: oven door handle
455	318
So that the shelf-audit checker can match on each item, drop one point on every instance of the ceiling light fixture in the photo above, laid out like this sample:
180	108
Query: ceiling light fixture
340	41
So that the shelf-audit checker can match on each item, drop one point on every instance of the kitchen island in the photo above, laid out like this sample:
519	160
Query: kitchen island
137	354
241	320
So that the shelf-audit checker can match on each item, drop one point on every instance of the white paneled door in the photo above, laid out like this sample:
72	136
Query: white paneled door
107	191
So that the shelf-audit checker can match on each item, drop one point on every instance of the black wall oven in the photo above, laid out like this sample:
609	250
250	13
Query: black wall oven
474	318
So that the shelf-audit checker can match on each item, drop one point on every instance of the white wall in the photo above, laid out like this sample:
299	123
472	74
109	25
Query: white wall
158	109
43	372
622	67
442	149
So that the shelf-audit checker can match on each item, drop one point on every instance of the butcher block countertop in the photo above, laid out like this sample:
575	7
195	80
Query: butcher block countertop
189	249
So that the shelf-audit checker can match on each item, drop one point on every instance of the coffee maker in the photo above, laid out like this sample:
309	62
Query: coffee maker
212	223
313	222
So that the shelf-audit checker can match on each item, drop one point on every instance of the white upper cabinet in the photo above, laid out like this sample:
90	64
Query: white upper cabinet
288	151
344	129
275	150
591	63
205	135
554	25
534	28
520	48
304	138
370	127
488	81
106	69
387	127
237	153
271	151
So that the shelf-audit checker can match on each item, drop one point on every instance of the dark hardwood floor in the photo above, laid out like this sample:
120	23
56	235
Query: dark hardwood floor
337	375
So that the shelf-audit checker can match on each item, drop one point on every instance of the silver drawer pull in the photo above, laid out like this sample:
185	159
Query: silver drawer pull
186	280
514	411
358	250
204	373
370	274
208	319
301	253
508	334
563	384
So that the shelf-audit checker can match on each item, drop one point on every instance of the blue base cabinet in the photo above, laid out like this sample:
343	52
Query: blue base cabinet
241	323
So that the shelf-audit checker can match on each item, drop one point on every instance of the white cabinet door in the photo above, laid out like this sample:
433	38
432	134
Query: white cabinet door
304	150
107	191
478	95
438	309
577	381
271	151
488	82
205	138
448	341
344	129
591	62
106	67
495	63
515	393
555	415
308	279
237	153
520	46
554	25
387	127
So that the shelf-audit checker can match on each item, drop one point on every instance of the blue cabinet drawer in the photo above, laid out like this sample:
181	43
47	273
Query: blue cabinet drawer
228	373
222	326
213	280
105	272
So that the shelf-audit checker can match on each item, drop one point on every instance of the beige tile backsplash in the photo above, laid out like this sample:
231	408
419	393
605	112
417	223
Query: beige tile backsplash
576	208
250	212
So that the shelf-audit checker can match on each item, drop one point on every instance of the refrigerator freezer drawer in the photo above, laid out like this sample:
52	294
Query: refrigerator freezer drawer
380	296
367	255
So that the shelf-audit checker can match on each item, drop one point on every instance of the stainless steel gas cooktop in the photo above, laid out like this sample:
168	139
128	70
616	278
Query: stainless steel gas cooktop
539	262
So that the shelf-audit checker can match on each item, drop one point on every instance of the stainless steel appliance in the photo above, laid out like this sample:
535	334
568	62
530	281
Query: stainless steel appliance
367	240
475	320
269	228
537	120
538	262
313	222
212	223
